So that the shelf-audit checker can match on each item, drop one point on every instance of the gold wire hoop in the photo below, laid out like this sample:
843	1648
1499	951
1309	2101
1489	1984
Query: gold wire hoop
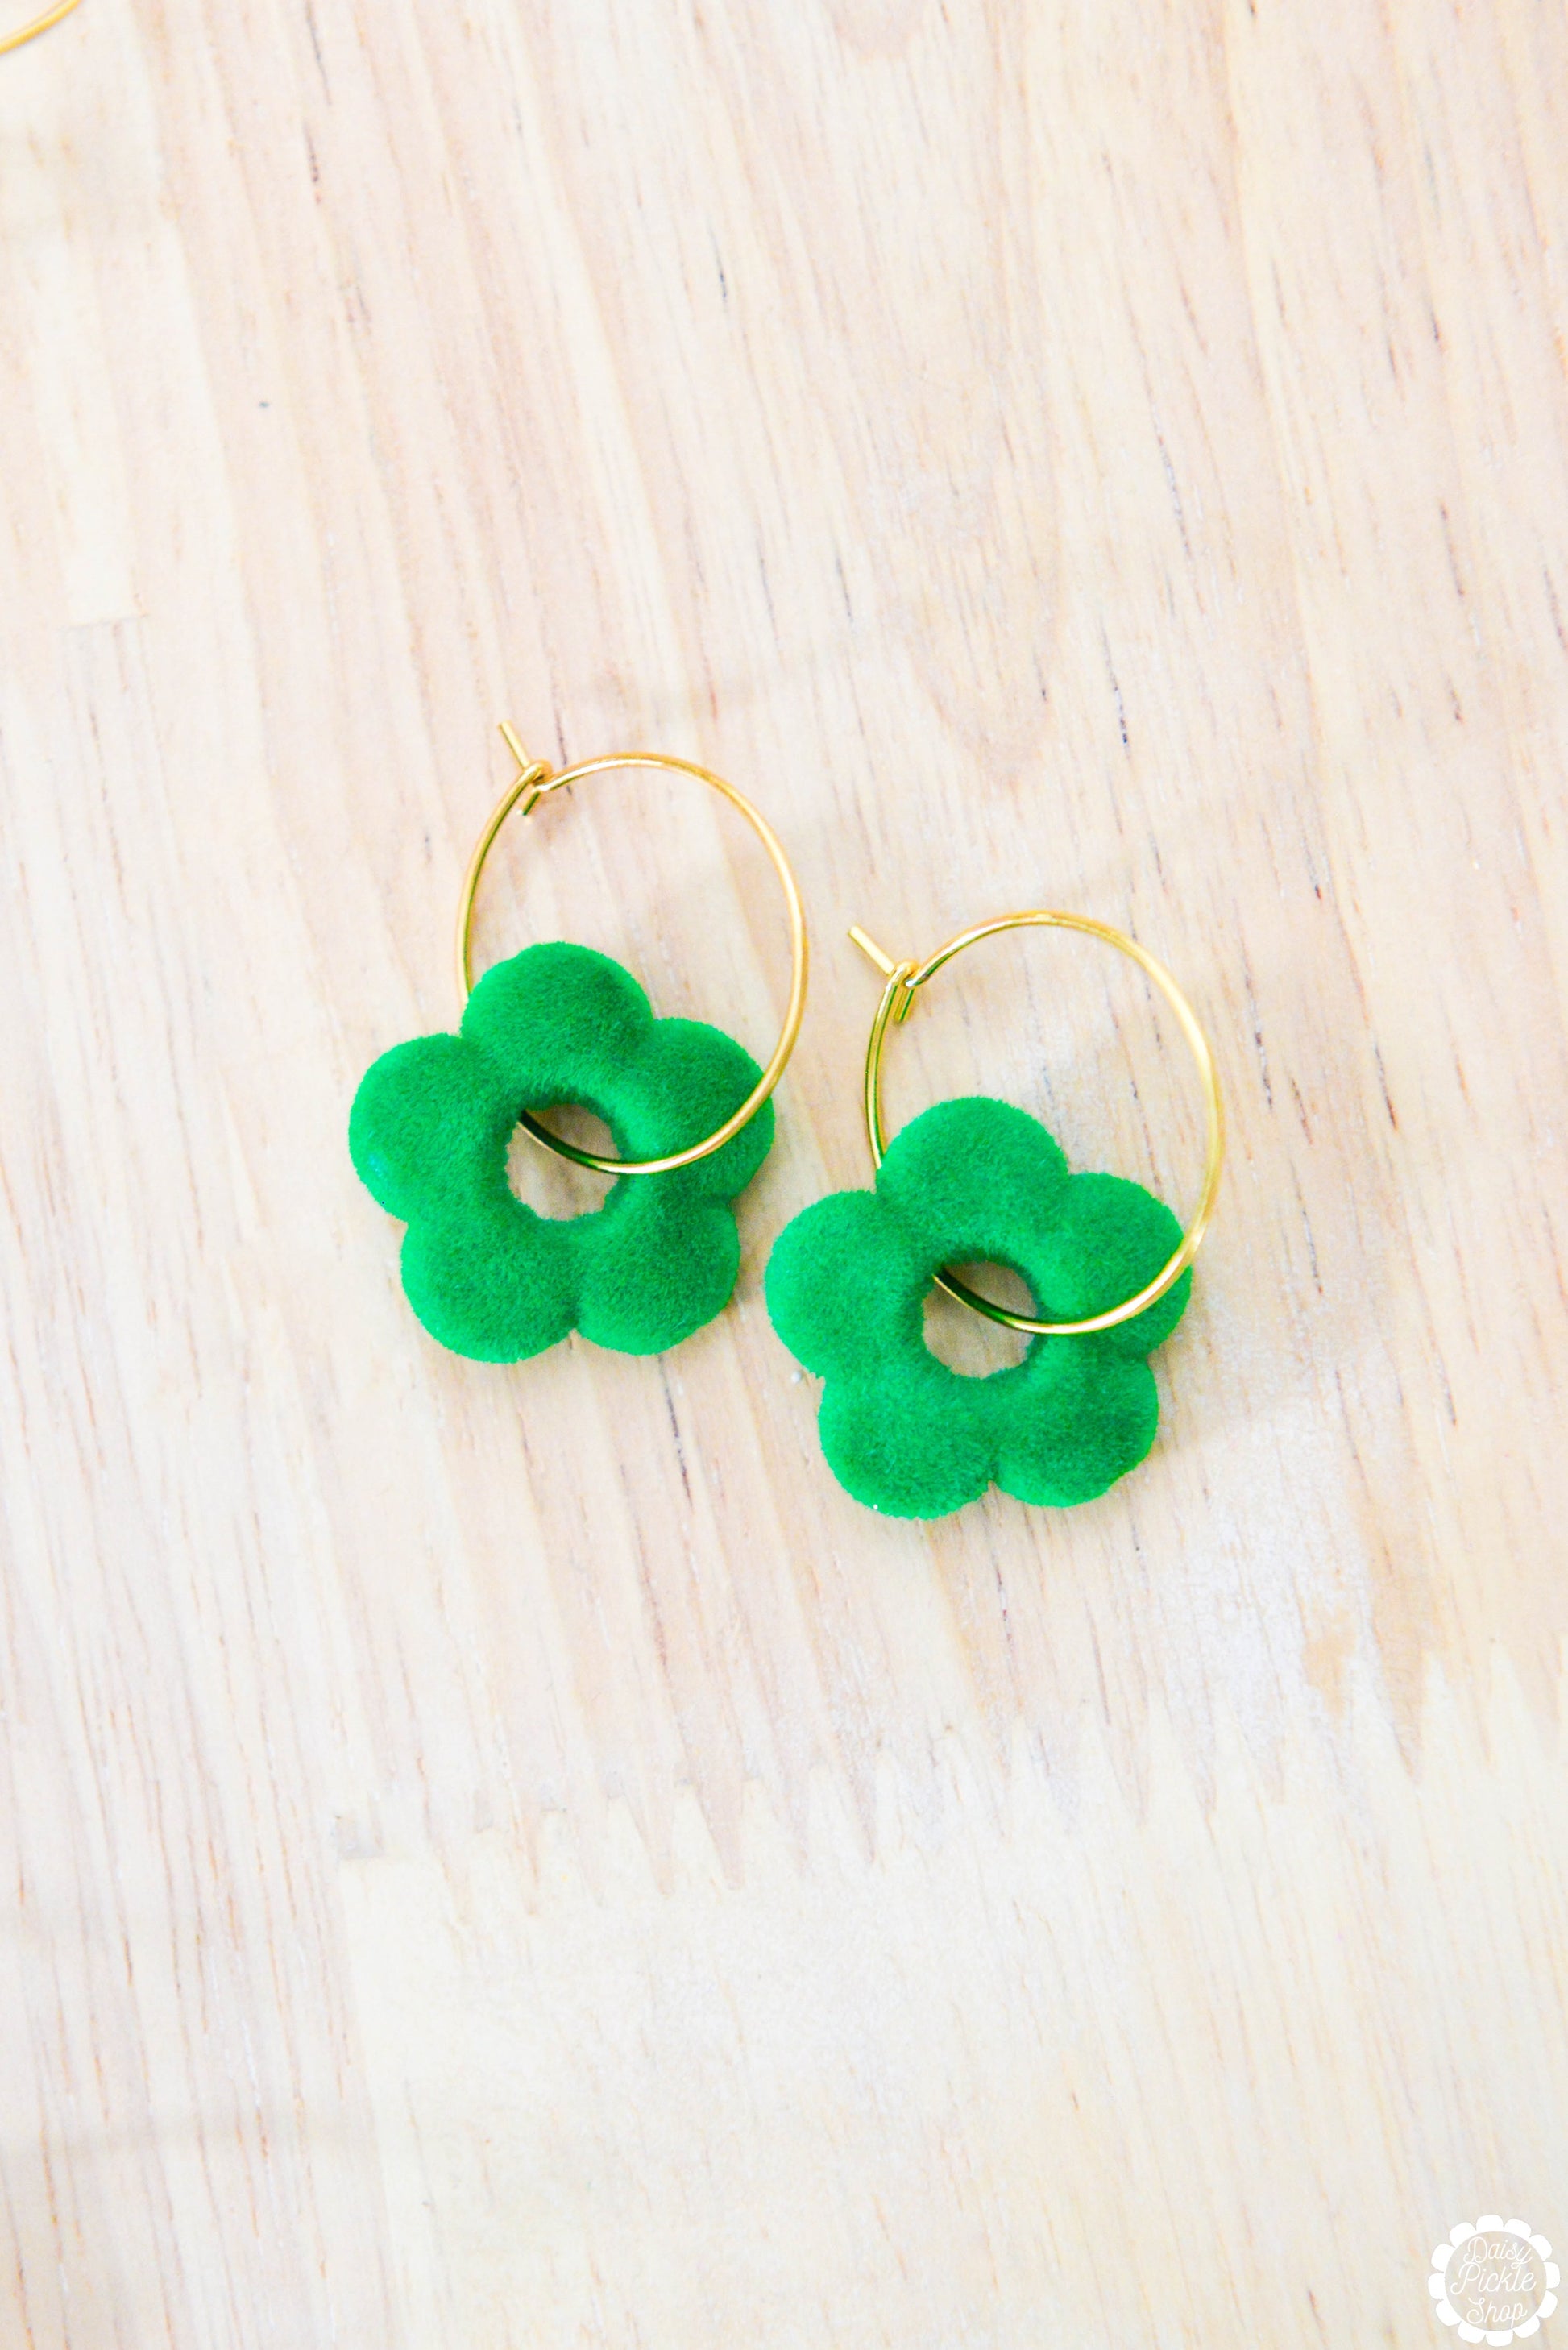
533	780
50	17
898	1000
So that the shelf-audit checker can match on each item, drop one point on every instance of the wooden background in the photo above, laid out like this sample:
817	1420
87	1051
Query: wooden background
516	1856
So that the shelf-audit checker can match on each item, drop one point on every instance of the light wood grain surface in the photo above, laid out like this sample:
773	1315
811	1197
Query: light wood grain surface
514	1856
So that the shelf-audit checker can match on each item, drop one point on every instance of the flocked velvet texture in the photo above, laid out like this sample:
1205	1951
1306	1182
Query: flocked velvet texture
433	1120
976	1182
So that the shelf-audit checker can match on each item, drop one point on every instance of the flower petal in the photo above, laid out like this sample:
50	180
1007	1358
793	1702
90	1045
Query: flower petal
977	1179
845	1285
559	1024
916	1443
684	1080
652	1269
429	1126
493	1280
1110	1238
1076	1419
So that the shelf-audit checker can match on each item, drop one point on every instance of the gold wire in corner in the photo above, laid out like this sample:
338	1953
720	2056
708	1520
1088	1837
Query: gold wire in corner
50	17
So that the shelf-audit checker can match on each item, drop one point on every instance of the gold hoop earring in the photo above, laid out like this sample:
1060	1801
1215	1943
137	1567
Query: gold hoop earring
980	1182
690	1112
44	24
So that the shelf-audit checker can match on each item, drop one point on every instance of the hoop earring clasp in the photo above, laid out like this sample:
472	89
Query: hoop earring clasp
533	779
897	1001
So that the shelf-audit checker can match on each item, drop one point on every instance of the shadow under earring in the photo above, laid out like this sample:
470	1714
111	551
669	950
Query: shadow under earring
690	1111
973	1181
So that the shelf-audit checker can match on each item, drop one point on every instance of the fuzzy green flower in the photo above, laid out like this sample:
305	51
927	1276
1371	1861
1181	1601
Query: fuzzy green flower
976	1182
432	1121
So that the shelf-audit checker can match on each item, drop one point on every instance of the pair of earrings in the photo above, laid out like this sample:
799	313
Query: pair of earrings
691	1116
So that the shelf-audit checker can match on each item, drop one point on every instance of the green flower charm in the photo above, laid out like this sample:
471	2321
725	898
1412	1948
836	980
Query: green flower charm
432	1121
976	1182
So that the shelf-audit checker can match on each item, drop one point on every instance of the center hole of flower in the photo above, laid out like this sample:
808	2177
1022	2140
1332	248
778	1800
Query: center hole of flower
559	1187
966	1341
